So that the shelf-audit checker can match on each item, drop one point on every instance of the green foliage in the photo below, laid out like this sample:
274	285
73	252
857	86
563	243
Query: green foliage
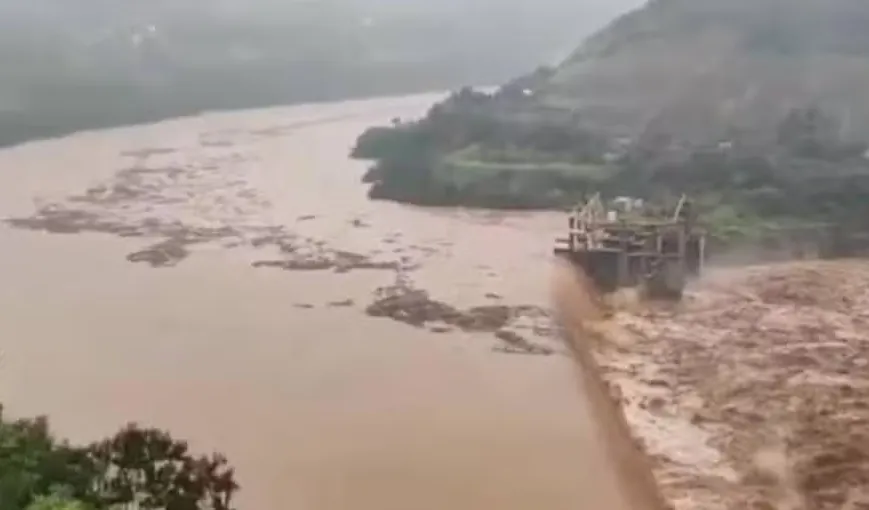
379	142
813	133
32	463
495	150
766	153
142	467
57	502
470	150
151	469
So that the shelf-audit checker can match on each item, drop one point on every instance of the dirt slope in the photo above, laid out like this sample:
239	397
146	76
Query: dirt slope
753	392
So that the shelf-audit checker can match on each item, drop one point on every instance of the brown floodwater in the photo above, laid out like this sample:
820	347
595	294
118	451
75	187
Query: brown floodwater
318	405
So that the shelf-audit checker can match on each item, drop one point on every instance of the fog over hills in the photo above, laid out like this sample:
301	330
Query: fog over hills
82	63
698	69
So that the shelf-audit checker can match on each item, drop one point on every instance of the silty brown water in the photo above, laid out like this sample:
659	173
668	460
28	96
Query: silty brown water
163	301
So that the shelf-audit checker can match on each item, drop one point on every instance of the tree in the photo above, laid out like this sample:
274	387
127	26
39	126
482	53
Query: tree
149	468
32	463
809	132
144	467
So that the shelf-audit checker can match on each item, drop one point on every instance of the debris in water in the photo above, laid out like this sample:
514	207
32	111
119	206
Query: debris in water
415	307
167	253
324	259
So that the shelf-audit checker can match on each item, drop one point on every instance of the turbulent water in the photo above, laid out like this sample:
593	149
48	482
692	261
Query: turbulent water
211	275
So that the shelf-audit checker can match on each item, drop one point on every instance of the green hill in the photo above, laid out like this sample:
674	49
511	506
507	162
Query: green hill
757	107
702	69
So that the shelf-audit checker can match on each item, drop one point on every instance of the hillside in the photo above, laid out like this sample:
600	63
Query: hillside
756	107
78	64
702	69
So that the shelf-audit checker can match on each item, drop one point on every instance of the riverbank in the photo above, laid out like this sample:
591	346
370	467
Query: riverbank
505	150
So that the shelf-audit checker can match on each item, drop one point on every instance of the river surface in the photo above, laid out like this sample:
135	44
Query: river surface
318	405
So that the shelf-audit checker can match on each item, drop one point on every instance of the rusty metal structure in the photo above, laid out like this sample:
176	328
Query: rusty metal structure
634	249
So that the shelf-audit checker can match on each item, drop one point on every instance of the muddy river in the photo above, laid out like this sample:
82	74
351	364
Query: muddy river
225	276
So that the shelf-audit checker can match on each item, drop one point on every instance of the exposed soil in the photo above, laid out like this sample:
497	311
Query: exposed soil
755	358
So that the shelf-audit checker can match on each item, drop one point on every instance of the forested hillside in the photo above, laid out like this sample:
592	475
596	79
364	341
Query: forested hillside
756	107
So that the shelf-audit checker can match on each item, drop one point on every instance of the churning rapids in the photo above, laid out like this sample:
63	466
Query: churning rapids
225	276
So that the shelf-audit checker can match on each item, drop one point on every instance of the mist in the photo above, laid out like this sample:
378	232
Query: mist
76	64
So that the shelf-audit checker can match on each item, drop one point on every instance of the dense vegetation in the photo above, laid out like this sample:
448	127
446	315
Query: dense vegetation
468	151
796	159
472	150
76	64
136	468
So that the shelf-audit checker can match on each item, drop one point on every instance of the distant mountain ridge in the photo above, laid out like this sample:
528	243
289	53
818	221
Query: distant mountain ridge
80	64
700	70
